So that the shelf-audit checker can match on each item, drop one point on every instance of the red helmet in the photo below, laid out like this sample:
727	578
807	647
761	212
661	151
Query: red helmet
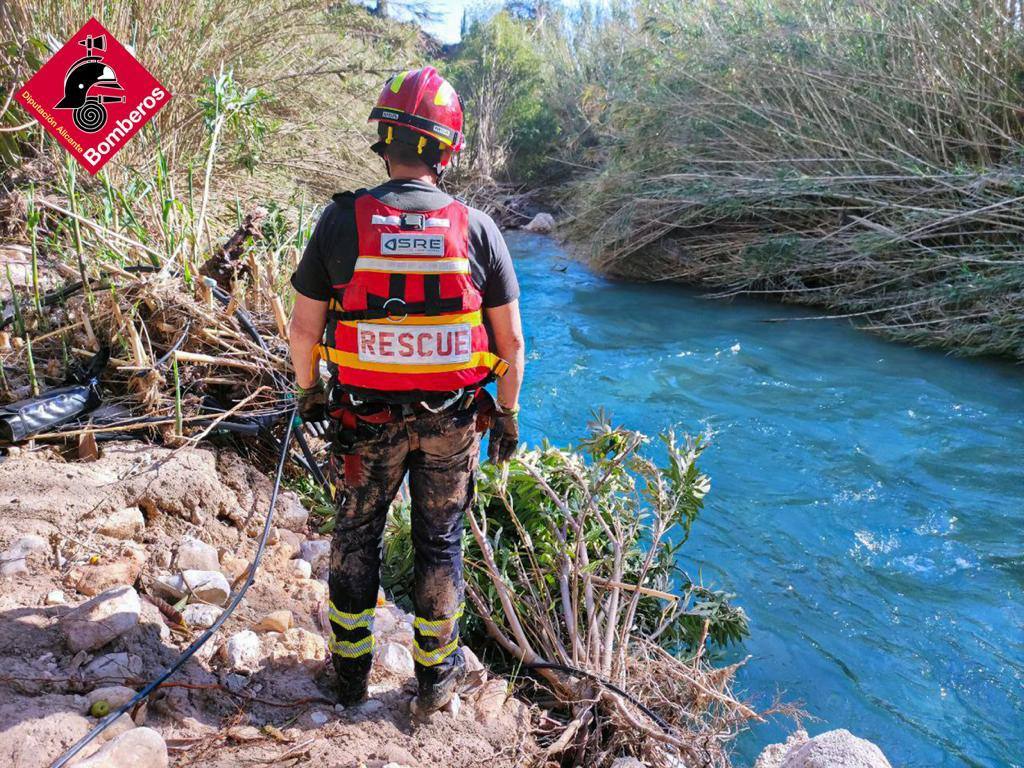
422	101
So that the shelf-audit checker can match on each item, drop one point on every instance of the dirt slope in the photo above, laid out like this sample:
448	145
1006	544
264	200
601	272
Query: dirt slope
77	528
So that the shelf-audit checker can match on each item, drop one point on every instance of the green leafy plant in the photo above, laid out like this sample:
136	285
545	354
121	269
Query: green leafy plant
572	562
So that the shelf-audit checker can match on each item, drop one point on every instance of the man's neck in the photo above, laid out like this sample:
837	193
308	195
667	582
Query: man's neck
405	173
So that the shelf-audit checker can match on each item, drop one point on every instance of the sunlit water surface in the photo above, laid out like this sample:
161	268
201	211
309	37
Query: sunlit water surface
867	498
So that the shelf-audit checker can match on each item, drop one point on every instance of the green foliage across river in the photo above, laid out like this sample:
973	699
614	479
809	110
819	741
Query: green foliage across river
864	157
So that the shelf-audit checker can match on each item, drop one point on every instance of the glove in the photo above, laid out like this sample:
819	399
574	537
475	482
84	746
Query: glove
504	437
313	408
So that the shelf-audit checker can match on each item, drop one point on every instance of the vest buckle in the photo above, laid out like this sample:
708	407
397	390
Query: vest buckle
392	317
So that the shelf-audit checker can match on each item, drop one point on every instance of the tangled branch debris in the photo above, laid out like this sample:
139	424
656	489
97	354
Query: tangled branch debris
184	353
574	573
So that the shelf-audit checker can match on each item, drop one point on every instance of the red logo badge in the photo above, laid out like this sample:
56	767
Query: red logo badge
92	96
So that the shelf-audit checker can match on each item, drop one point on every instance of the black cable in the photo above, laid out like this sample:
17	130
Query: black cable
201	640
175	347
57	296
611	686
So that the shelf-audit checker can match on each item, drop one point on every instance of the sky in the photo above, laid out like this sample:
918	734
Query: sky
450	11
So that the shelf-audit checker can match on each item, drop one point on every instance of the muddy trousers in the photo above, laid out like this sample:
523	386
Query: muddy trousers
440	452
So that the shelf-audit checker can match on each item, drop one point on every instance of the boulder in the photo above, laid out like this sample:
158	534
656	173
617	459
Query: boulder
832	749
196	555
135	748
542	224
835	749
114	666
242	651
208	586
396	659
201	615
98	621
15	559
124	523
55	597
275	621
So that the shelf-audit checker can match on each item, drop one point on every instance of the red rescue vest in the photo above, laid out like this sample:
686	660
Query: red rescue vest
410	319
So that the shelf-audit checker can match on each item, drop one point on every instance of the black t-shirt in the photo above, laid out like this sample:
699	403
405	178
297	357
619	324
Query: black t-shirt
330	255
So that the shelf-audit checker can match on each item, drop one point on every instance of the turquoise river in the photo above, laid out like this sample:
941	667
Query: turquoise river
867	501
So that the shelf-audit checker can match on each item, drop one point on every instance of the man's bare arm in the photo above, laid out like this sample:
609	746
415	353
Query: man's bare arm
507	328
305	331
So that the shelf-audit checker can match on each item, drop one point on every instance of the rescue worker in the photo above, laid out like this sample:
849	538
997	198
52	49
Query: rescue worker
410	297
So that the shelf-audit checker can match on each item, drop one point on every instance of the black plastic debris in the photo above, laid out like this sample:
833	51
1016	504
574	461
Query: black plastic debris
79	395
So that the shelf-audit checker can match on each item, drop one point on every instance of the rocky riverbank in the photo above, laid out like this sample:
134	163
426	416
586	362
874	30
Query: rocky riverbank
110	568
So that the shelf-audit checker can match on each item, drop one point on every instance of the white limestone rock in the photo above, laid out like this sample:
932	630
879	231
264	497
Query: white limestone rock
542	224
196	555
836	749
832	749
102	619
201	615
124	523
301	569
242	651
135	748
396	659
15	559
207	586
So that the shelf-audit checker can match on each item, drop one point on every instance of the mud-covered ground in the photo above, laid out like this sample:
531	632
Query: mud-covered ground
70	531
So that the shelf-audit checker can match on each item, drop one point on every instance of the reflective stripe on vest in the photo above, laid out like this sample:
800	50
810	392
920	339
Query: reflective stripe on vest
412	266
432	336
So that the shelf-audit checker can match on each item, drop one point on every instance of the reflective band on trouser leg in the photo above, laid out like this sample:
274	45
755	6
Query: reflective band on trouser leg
438	627
351	650
350	621
434	657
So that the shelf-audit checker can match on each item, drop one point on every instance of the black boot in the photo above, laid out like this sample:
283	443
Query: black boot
353	676
437	685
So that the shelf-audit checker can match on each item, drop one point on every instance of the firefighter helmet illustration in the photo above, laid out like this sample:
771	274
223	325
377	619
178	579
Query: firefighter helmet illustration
83	76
